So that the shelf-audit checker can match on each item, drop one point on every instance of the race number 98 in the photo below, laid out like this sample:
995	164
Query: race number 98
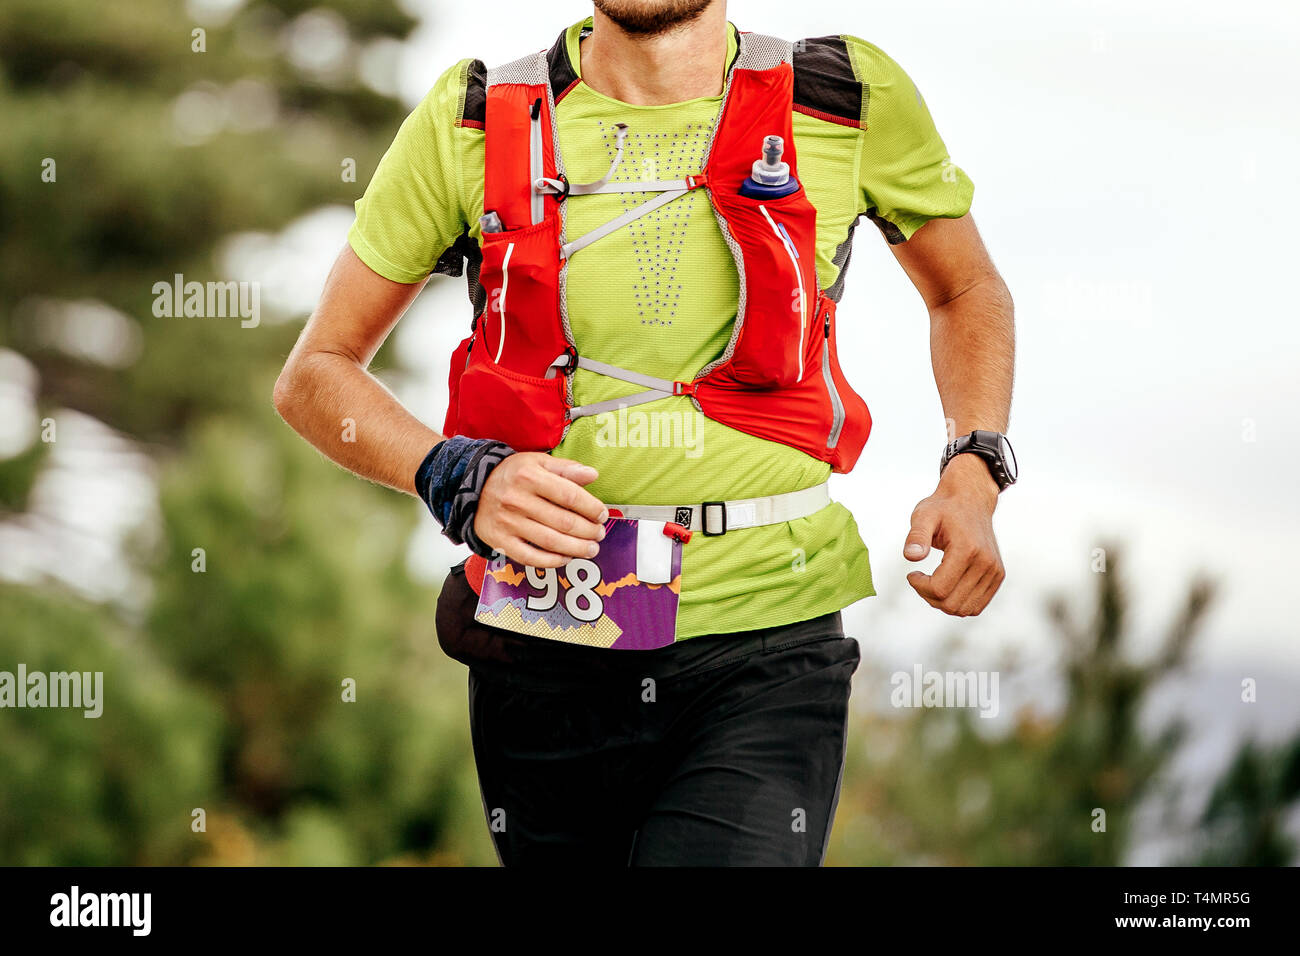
580	600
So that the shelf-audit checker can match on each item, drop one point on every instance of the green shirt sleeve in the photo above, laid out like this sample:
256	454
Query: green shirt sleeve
414	208
906	176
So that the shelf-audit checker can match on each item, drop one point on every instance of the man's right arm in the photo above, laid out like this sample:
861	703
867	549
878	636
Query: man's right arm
533	507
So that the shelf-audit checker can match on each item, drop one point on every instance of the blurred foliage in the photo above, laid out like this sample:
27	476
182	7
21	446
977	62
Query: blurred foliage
18	475
931	787
224	685
1244	820
226	694
288	608
119	100
118	788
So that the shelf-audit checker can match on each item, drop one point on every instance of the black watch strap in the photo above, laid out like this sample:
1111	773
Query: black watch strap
993	448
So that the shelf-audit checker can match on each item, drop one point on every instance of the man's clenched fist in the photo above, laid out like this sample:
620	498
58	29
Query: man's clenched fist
535	510
958	520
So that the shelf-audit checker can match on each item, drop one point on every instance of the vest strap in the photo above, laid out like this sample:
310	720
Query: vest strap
626	375
640	186
656	388
618	222
614	404
714	518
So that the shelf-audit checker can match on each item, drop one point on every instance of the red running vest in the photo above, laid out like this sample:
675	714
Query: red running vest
779	377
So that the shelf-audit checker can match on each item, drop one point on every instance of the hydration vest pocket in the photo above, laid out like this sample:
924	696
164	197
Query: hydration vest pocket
520	278
820	415
502	391
526	412
850	420
778	239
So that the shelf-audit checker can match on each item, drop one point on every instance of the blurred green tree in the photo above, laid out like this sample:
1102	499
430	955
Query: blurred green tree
157	152
133	146
1244	821
118	788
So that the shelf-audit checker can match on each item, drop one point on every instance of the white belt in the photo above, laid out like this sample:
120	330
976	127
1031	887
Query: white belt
718	517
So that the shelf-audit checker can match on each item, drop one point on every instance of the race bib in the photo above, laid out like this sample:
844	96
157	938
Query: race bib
625	598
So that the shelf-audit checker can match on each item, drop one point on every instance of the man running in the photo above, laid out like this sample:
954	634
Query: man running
657	213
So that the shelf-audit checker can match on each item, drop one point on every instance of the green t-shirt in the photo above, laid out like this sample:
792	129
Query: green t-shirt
659	296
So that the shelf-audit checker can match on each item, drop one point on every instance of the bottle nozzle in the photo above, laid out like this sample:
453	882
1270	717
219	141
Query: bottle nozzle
773	147
770	171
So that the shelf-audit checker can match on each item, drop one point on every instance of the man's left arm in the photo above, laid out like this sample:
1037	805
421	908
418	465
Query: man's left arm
972	348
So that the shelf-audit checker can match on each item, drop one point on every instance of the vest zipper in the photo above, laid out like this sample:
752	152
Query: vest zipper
535	163
837	406
794	261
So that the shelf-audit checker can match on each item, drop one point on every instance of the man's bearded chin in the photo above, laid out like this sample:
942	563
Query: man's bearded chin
647	18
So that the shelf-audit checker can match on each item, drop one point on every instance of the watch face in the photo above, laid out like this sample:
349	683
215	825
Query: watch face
1008	458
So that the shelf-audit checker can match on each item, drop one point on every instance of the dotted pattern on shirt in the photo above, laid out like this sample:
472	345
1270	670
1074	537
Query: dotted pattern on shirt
659	237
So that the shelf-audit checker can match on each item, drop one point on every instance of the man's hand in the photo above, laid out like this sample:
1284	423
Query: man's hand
535	511
958	520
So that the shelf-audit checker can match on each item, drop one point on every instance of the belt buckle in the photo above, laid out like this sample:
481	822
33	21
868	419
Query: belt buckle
704	518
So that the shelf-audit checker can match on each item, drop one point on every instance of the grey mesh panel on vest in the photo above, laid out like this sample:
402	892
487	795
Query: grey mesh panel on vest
893	235
757	52
563	279
762	52
842	254
529	70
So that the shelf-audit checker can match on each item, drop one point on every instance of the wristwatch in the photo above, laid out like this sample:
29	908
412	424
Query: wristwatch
993	447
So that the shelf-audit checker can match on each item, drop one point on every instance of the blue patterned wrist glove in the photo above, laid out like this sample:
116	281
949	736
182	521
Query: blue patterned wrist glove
450	480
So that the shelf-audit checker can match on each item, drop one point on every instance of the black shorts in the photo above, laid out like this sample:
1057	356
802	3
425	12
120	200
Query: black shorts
716	750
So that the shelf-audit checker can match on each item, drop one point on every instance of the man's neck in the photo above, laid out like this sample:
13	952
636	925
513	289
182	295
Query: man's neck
683	64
